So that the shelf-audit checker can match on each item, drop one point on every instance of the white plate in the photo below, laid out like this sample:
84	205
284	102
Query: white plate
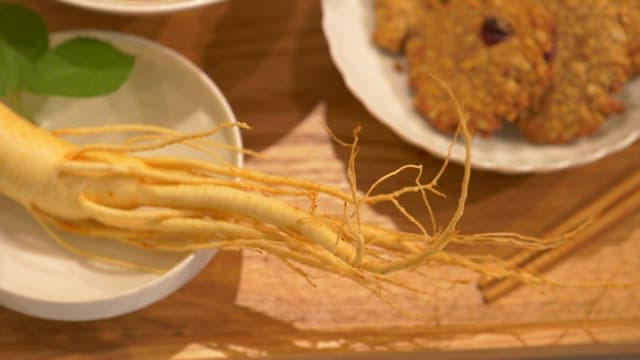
139	6
370	75
39	278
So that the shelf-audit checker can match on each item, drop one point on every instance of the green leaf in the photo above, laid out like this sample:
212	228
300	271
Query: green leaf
80	67
13	68
24	30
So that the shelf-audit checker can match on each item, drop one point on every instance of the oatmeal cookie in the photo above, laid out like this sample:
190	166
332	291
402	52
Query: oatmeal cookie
395	19
590	63
492	54
629	15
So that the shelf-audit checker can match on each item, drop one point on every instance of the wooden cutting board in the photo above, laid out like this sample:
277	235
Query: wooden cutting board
273	64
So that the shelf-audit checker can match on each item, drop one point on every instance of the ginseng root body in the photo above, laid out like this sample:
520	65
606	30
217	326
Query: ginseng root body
182	204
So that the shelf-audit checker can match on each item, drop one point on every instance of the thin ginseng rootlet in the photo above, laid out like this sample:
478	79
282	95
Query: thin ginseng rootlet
98	190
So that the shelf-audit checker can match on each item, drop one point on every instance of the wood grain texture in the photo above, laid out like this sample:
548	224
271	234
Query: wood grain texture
272	62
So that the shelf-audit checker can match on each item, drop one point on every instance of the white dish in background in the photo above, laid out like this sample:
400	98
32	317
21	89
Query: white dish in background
371	77
139	7
38	277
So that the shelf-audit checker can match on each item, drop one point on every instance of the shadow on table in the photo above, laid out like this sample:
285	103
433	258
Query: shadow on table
255	64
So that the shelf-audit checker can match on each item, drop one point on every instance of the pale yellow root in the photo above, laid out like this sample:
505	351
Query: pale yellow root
178	204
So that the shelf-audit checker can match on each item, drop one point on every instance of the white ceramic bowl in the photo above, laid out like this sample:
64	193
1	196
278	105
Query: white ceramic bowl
39	278
371	76
139	7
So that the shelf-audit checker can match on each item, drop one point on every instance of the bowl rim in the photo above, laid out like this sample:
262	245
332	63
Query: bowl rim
138	7
165	284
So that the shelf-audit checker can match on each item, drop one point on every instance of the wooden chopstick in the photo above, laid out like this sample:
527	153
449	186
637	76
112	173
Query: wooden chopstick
613	204
596	207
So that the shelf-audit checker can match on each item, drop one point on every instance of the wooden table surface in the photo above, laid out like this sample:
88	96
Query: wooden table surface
271	60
